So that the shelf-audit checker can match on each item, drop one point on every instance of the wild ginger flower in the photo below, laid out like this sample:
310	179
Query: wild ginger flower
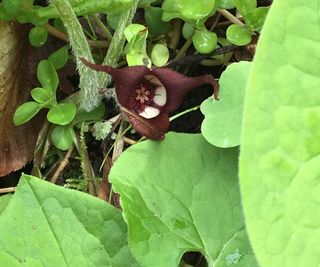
147	96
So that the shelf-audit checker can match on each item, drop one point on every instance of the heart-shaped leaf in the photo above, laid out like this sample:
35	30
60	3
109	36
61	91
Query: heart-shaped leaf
223	118
180	195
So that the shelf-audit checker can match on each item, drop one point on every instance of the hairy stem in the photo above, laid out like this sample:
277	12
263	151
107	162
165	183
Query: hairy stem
89	82
117	42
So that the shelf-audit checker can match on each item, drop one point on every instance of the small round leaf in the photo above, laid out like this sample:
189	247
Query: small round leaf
187	30
40	95
62	114
47	75
238	35
62	137
38	35
204	41
159	55
25	112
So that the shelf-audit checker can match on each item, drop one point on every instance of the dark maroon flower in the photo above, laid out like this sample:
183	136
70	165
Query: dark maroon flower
147	96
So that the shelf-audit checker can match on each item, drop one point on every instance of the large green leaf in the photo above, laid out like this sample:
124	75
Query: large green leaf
47	225
280	156
222	124
4	201
182	195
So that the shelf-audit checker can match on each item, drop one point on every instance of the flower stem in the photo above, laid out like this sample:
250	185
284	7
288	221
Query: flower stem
184	48
184	112
102	27
230	17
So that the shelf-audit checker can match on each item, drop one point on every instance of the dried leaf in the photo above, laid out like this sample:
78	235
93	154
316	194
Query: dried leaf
16	143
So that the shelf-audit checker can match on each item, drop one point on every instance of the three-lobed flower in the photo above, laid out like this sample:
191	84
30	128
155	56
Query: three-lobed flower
147	96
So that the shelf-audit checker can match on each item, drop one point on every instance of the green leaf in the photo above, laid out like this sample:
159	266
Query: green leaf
238	35
40	95
59	58
159	55
25	112
94	115
245	6
62	137
222	124
154	23
38	36
280	162
11	7
188	10
62	113
180	195
4	201
227	4
255	19
204	41
133	30
187	30
47	225
113	19
47	76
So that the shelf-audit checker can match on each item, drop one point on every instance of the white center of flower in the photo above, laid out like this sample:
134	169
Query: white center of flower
160	97
149	112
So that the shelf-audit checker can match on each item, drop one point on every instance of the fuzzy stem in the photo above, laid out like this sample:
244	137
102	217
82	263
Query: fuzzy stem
89	82
117	43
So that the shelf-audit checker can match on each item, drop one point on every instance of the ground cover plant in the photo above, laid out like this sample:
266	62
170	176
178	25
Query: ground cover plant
159	133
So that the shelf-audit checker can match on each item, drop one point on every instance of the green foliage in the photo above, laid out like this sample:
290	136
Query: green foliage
47	76
227	4
194	12
279	161
159	55
25	11
62	228
192	204
38	36
26	112
136	54
101	129
238	35
204	41
222	124
40	95
62	137
187	30
62	114
154	23
4	201
94	115
59	58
